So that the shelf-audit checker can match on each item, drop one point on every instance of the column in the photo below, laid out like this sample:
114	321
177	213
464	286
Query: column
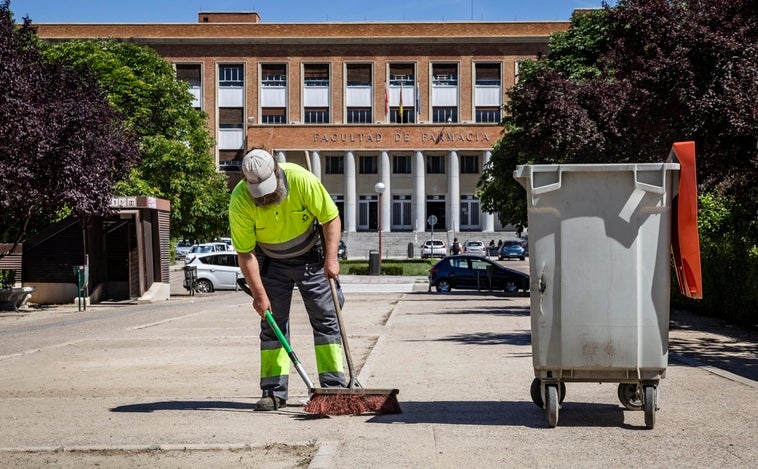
315	160
453	196
351	198
418	199
385	175
488	219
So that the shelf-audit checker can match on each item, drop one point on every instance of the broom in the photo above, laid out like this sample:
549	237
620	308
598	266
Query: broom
335	401
354	399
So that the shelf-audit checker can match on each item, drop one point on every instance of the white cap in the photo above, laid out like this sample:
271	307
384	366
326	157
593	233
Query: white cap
258	167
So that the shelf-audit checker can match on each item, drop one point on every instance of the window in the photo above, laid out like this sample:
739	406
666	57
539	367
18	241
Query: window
444	93
356	115
401	164
273	116
488	115
445	114
230	160
444	75
316	75
230	118
273	94
189	73
231	76
358	94
487	74
358	75
316	93
368	165
274	75
316	115
334	165
488	93
469	164
402	93
435	164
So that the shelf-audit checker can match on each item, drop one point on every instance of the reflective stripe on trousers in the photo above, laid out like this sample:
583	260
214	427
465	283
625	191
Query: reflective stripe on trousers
279	278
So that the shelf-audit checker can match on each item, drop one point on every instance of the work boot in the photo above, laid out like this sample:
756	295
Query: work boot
270	403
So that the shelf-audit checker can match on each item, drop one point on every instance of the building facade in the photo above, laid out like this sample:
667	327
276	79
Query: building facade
414	106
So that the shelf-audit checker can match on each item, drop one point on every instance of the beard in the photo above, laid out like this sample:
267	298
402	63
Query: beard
273	198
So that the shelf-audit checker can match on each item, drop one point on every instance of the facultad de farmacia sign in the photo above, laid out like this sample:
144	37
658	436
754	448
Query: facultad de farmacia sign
402	137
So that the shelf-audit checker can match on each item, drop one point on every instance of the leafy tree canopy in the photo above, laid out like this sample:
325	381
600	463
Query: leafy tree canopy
175	145
626	82
62	146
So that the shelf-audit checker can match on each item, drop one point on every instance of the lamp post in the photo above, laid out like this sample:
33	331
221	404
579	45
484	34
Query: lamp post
379	188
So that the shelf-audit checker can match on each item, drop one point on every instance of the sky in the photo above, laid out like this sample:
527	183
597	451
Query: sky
298	11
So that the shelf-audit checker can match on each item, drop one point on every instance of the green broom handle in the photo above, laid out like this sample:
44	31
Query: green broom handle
290	352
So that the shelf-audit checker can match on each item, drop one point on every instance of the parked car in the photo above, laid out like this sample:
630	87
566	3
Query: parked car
215	271
466	271
475	247
512	249
433	248
182	248
205	248
342	251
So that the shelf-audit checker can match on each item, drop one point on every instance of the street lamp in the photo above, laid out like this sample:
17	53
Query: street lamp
379	188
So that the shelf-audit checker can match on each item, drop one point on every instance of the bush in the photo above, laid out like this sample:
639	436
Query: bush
729	258
410	267
7	278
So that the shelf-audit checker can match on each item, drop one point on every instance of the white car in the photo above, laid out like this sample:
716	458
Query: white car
215	271
475	247
433	248
182	248
205	248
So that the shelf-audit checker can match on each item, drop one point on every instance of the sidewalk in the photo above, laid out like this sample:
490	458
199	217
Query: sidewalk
174	385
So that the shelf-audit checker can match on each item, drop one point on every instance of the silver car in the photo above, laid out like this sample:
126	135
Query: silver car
214	271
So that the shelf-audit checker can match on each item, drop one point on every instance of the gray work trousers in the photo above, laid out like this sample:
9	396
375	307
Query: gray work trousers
279	277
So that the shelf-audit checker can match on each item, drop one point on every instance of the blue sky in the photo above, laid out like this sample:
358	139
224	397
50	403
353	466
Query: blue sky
276	11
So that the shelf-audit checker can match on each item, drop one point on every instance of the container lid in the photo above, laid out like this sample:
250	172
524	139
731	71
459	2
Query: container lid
685	242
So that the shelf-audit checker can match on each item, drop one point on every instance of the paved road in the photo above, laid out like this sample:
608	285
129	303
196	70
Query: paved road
174	384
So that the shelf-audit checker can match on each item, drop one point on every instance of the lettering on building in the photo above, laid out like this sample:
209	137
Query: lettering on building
402	137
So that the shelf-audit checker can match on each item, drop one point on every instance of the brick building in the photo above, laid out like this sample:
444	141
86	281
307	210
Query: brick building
415	106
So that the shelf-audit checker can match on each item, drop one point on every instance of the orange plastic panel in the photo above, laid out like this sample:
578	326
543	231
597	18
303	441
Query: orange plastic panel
684	240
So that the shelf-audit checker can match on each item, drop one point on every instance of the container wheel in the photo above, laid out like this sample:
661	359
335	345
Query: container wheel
630	395
551	405
535	390
648	401
203	286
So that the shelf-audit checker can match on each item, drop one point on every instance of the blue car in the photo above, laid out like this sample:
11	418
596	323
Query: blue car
512	249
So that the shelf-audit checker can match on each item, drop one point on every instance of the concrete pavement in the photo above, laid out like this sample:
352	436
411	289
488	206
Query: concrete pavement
174	384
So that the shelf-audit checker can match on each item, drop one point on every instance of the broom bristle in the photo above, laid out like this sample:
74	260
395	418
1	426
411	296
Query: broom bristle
353	404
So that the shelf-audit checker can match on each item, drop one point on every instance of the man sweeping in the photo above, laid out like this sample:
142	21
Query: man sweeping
273	215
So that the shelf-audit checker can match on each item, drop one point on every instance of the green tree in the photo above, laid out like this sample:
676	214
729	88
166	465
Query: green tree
62	146
626	82
176	159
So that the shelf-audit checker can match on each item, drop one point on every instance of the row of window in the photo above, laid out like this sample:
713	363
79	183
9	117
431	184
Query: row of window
402	100
401	164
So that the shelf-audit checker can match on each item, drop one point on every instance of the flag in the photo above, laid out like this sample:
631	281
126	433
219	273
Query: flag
400	113
418	107
386	102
